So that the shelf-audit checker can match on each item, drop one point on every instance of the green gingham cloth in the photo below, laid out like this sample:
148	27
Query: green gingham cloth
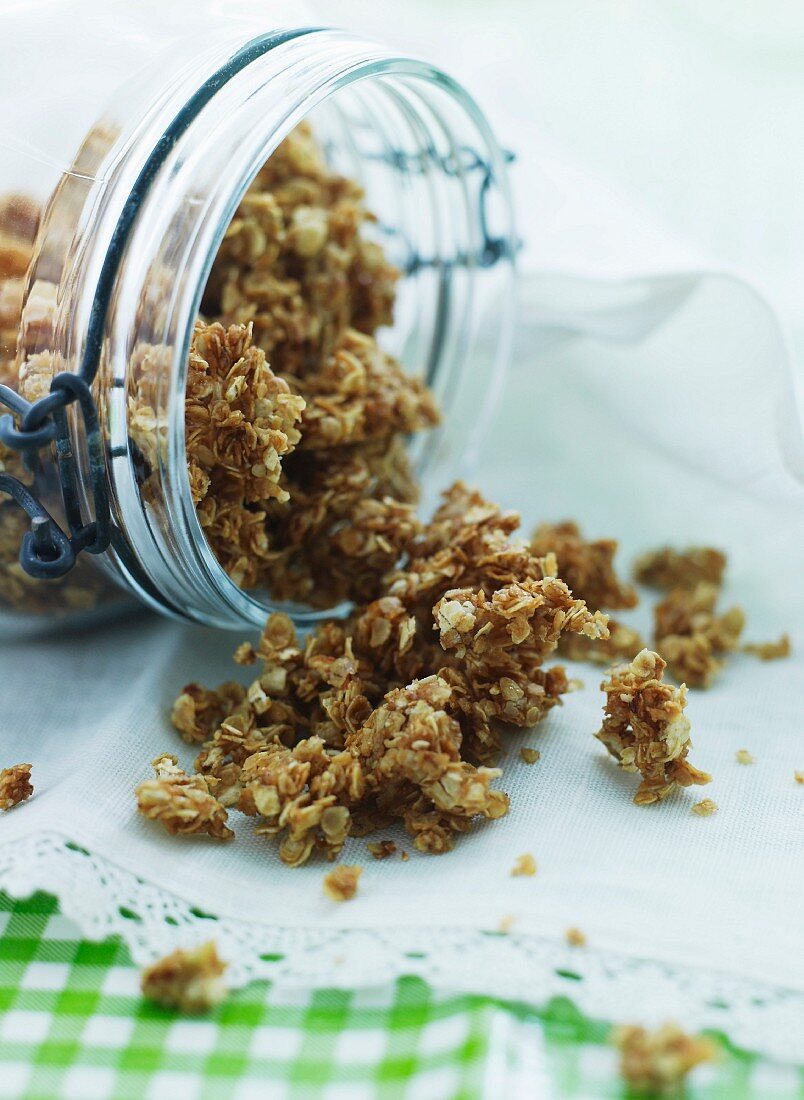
72	1025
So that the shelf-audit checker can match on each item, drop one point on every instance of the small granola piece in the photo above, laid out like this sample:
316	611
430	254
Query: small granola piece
743	756
184	804
575	937
188	980
656	1063
528	755
769	651
524	865
587	567
691	635
669	568
507	922
341	882
15	785
798	776
381	849
404	856
705	808
645	727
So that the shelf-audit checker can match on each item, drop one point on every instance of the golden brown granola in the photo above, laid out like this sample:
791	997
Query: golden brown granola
691	636
743	756
645	728
656	1063
798	776
575	937
769	651
669	568
182	803
524	865
15	785
340	884
380	717
586	566
705	808
528	755
191	981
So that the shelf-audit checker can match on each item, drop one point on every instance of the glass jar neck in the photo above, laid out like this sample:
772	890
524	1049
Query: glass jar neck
388	119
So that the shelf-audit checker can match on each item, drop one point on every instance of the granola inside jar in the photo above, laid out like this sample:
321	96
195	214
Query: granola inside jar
286	273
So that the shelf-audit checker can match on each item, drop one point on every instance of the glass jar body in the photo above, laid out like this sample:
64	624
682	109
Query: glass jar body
169	159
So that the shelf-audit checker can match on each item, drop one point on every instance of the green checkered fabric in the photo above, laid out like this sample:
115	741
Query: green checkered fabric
72	1025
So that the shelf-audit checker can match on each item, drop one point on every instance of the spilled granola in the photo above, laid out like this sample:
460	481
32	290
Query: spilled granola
191	981
340	884
656	1063
183	804
645	728
15	785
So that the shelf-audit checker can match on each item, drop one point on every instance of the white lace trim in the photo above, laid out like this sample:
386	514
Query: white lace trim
104	900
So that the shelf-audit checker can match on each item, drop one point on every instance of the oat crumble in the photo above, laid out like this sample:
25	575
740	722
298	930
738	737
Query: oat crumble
575	937
705	808
341	882
656	1063
743	756
15	785
188	980
645	728
769	651
524	865
529	756
184	804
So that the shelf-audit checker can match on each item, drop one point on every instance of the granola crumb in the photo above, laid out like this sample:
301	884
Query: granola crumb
798	776
184	804
743	756
507	922
656	1063
705	808
15	785
524	865
188	980
529	755
645	728
404	856
770	651
341	882
381	849
575	937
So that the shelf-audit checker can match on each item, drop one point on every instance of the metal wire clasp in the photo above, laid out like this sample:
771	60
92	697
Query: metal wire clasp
47	551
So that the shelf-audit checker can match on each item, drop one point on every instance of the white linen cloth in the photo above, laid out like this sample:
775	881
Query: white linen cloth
653	401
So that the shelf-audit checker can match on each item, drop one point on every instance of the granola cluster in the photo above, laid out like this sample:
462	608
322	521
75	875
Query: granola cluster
588	568
191	981
295	418
15	785
656	1063
340	884
645	728
394	714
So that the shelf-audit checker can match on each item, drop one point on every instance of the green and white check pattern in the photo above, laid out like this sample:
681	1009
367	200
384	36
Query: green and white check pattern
72	1025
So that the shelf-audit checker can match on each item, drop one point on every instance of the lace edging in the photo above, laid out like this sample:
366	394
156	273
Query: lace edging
105	900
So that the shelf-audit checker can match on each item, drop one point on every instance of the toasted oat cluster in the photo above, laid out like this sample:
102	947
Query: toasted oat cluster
588	569
183	804
656	1063
669	568
15	785
690	634
191	981
769	651
393	714
296	419
575	937
705	808
525	866
340	884
645	727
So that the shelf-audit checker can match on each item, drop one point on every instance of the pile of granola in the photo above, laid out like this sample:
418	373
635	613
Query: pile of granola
393	714
15	785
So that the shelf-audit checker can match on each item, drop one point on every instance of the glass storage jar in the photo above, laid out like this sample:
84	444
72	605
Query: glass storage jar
121	178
